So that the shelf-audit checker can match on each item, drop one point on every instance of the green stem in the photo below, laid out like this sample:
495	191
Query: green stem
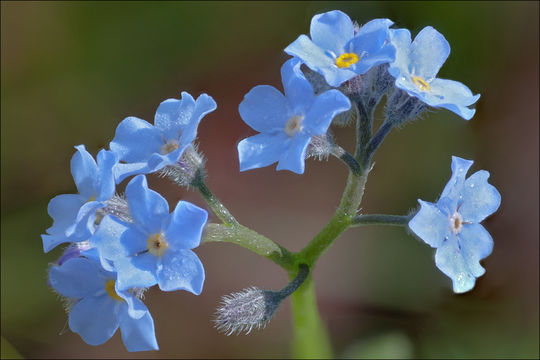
347	159
217	207
364	129
251	240
377	219
311	339
350	201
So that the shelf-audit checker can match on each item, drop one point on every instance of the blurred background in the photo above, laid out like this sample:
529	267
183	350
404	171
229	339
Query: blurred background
71	71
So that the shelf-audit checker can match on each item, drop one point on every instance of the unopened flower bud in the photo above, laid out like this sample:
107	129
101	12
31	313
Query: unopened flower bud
242	311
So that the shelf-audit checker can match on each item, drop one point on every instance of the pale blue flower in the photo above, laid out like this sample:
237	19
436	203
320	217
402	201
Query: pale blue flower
452	224
74	214
100	308
338	51
144	148
286	123
156	247
416	66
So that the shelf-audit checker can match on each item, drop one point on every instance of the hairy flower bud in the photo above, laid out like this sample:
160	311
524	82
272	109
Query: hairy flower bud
252	307
242	311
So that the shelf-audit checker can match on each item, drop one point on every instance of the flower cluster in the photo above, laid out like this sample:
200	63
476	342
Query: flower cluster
120	245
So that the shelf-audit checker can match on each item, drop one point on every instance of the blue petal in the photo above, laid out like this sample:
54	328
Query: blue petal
459	257
84	171
375	25
453	188
63	210
369	41
449	260
326	106
401	40
318	60
76	278
107	240
451	95
480	199
137	334
476	244
172	115
95	319
332	30
135	140
265	109
134	240
385	55
158	161
261	150
181	270
187	223
135	307
106	161
430	224
147	207
137	271
297	89
429	51
83	227
178	119
293	158
203	105
123	171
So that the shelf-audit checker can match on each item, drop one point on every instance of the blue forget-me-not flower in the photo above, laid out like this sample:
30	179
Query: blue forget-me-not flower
452	224
144	148
74	214
416	66
338	51
156	247
286	123
100	308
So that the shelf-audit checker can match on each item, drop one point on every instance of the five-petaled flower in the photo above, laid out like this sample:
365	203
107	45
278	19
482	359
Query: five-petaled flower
286	123
452	224
339	52
144	148
156	247
416	66
74	214
99	307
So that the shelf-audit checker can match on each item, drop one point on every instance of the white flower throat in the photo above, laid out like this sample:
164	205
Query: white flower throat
294	125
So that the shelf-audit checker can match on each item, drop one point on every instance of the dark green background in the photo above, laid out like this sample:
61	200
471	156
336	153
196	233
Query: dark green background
71	71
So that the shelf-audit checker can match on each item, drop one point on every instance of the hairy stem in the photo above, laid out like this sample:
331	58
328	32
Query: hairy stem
377	219
350	201
217	207
347	159
364	129
251	240
376	141
311	339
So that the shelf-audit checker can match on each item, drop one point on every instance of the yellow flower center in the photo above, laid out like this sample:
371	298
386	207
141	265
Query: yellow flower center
109	286
169	147
421	83
157	244
346	60
293	125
